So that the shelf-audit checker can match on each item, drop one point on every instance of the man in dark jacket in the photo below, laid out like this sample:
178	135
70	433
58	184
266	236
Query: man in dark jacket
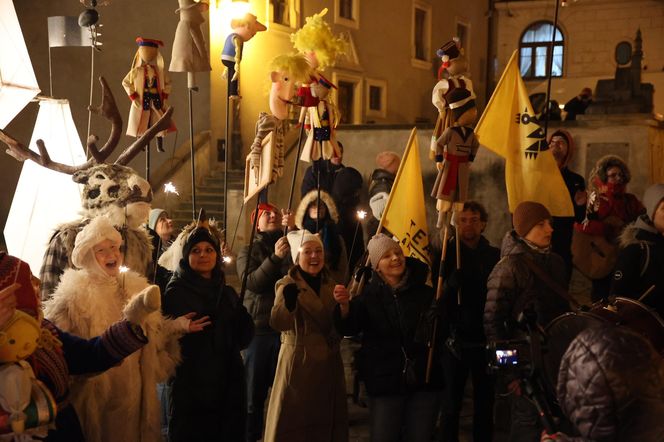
513	287
562	148
641	260
464	298
269	262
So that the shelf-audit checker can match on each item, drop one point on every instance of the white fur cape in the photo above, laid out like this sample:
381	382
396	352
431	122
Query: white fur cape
120	404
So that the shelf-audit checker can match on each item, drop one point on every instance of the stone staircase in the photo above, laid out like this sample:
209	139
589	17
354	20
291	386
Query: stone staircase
209	196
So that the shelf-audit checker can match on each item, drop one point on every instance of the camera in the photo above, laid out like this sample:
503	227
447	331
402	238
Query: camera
507	357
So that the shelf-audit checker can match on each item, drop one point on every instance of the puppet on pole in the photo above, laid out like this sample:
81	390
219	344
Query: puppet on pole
319	116
190	55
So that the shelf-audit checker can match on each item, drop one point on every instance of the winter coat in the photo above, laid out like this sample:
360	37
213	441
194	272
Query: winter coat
513	287
142	114
393	320
466	320
120	404
336	255
563	226
611	386
265	269
208	399
640	265
308	400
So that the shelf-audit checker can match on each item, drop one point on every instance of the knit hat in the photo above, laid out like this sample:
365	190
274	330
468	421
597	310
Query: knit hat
378	246
389	161
263	207
200	234
652	197
98	230
13	270
297	238
154	217
527	215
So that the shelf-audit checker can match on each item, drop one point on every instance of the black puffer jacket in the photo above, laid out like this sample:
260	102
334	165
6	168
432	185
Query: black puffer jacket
265	269
388	318
512	287
208	399
611	386
640	265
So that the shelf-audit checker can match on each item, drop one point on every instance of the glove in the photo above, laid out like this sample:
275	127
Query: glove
140	306
291	293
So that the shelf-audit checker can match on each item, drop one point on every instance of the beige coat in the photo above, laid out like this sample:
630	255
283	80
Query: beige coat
308	400
134	84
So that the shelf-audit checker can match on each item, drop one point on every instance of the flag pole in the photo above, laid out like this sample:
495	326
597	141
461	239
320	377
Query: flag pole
549	70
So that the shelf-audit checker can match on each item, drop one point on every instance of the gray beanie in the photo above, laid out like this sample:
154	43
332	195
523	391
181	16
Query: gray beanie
378	246
652	197
154	217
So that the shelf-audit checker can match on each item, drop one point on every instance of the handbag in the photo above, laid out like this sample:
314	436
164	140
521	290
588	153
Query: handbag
593	255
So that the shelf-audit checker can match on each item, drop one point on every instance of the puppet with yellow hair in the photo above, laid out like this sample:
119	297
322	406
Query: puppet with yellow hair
320	47
148	85
285	72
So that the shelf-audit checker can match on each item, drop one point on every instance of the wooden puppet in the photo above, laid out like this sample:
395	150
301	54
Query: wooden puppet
322	121
455	150
148	86
316	42
451	75
244	29
285	72
190	52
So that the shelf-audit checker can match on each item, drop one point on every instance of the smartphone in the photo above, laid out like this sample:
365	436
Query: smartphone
506	358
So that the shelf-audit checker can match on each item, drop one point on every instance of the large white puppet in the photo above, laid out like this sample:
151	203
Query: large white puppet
111	190
120	404
451	75
285	72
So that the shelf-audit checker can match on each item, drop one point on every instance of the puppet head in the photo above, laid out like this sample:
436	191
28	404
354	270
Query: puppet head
115	191
317	42
247	26
321	89
286	71
20	335
453	60
148	52
462	103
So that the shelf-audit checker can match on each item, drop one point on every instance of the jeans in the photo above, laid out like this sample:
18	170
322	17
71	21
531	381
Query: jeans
473	362
164	391
406	417
260	364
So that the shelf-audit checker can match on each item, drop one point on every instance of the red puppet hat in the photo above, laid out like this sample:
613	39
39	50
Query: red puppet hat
149	42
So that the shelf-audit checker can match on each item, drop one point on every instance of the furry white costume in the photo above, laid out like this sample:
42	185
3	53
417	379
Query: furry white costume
121	404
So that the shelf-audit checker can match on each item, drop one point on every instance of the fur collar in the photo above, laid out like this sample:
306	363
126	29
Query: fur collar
309	198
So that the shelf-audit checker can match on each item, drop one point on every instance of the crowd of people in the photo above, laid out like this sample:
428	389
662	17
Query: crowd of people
214	354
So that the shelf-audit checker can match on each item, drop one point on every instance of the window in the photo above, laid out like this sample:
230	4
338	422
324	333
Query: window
376	98
283	14
348	97
347	13
534	51
421	36
463	34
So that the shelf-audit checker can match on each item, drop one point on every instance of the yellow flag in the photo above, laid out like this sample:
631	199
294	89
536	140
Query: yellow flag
405	216
509	128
